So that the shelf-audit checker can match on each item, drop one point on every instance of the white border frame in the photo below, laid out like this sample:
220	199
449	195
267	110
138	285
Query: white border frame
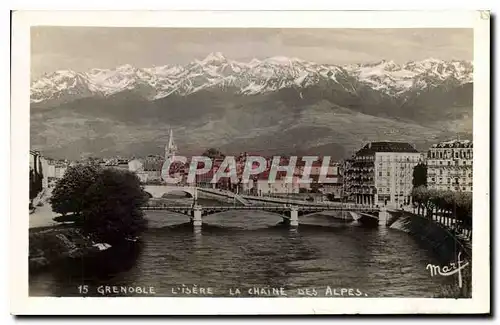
22	304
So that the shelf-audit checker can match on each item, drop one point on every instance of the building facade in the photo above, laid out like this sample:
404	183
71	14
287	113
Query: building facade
50	169
281	185
449	166
381	173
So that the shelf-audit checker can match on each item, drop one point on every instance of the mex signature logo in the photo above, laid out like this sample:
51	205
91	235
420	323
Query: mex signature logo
449	270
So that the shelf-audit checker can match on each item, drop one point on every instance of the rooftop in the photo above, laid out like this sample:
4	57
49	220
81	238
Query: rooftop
453	144
385	146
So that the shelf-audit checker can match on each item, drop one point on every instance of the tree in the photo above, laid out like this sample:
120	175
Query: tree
31	187
419	175
213	153
35	182
105	202
456	205
431	200
448	203
32	184
69	192
112	206
463	210
419	196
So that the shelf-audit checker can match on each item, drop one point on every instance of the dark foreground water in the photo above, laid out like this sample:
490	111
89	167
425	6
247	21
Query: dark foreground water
250	252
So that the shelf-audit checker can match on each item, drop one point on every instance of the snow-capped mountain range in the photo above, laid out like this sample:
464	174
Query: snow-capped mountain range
250	78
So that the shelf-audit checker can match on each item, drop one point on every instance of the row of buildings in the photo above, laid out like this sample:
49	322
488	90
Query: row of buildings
149	171
53	169
50	169
381	173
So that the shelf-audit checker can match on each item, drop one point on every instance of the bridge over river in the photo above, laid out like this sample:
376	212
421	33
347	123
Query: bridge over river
158	191
289	213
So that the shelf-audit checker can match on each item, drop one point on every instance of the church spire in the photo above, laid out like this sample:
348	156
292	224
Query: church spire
170	148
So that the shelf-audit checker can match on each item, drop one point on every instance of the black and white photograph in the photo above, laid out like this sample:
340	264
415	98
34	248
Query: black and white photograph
258	162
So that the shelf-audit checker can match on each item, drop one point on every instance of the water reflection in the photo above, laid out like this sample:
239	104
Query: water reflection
197	235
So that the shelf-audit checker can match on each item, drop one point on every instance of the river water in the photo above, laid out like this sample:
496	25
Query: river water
252	252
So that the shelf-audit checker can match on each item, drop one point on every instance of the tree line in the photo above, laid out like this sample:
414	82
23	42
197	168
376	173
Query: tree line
442	203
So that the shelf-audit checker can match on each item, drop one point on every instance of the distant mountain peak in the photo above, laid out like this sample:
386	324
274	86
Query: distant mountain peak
213	57
215	71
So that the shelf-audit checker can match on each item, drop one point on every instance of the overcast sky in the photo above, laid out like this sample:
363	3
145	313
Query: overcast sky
84	48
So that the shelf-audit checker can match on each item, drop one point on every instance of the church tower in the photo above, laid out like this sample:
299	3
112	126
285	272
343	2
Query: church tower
170	148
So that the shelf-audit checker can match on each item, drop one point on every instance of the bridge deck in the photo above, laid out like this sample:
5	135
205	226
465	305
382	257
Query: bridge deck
268	208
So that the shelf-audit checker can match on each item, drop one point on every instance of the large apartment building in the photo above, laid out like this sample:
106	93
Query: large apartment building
449	166
381	173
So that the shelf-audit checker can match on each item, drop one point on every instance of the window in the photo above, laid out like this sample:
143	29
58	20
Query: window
440	162
380	173
440	172
388	173
449	163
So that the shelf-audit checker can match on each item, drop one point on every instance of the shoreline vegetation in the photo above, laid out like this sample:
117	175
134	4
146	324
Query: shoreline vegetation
51	245
103	206
452	210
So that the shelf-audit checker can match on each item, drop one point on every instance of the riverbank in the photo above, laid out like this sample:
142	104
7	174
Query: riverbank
440	240
49	246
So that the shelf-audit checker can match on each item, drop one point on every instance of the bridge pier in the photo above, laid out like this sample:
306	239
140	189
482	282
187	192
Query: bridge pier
196	218
294	217
293	221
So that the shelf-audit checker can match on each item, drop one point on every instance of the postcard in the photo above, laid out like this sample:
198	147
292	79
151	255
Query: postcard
230	162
